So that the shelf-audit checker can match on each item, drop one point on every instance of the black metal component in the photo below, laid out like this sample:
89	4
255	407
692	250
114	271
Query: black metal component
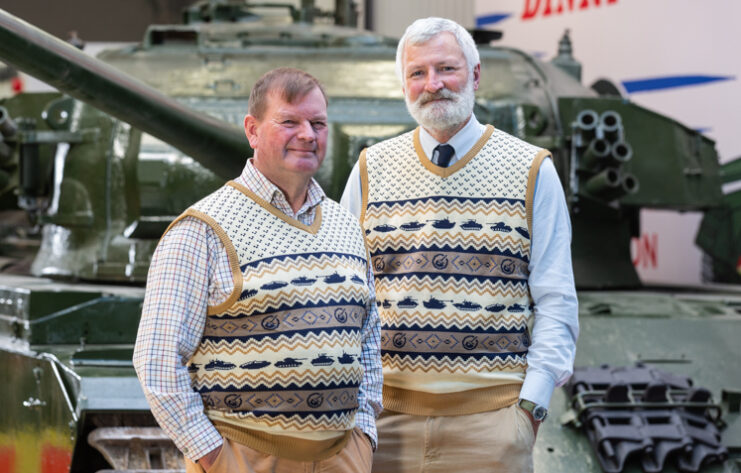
733	398
485	36
31	175
7	125
646	415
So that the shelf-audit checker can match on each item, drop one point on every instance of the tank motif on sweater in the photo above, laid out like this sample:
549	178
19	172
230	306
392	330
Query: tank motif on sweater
282	353
450	251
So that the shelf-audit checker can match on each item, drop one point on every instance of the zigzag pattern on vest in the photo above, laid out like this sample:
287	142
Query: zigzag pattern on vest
318	376
284	354
450	254
307	341
510	322
448	365
461	241
460	287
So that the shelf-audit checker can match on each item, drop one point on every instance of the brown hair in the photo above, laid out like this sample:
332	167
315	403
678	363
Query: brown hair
291	84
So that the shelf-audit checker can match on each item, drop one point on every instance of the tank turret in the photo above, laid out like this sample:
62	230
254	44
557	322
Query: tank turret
79	173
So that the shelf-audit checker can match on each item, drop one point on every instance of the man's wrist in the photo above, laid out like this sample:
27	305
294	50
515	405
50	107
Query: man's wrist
537	412
208	459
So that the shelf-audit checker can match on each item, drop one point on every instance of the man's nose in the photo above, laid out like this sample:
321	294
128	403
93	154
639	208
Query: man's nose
433	83
306	131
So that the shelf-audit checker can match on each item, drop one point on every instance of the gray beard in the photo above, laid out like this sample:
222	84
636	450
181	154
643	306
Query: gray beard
445	115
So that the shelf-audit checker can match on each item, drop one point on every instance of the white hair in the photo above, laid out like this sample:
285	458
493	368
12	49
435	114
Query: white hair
425	29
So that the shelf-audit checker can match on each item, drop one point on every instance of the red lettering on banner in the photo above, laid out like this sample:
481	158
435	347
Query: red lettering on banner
646	249
530	10
560	6
533	7
547	11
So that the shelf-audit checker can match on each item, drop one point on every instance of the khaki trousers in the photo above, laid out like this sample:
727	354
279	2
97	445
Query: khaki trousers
234	457
498	441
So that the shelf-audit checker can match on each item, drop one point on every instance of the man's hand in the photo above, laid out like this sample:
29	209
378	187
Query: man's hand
535	424
208	459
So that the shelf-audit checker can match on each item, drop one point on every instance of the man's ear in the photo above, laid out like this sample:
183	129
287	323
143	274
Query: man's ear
476	76
250	130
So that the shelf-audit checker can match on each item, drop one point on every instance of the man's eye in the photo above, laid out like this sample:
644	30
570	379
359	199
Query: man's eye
415	74
289	122
319	125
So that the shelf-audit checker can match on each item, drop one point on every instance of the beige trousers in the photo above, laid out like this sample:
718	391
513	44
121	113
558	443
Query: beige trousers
356	457
499	441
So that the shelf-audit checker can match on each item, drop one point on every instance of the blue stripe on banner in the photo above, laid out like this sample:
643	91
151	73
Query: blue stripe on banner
491	19
670	82
704	130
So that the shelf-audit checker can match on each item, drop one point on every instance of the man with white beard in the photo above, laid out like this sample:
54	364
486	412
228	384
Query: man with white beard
469	236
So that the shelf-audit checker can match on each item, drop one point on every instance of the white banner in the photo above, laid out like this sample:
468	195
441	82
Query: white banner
679	58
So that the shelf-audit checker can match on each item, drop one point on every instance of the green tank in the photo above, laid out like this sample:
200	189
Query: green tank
718	236
91	176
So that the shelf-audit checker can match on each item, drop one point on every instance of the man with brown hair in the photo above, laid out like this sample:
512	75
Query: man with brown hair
258	348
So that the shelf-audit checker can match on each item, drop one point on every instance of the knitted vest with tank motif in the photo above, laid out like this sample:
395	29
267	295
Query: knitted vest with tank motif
450	249
282	354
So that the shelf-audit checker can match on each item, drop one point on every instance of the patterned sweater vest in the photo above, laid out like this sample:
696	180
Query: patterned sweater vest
282	355
450	249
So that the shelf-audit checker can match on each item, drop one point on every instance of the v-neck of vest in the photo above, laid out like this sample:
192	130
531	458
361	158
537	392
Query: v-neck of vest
313	228
458	165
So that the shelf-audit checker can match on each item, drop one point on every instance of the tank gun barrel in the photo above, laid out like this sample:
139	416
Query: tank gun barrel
217	145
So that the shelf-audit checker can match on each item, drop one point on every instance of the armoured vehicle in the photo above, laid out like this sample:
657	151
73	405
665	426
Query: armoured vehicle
89	180
718	236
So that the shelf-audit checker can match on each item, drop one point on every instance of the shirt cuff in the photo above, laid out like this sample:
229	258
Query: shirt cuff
367	423
198	440
538	387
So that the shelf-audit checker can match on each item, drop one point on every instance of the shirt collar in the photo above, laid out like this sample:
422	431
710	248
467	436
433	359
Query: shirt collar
256	181
462	141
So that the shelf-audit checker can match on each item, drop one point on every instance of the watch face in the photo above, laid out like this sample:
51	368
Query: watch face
539	413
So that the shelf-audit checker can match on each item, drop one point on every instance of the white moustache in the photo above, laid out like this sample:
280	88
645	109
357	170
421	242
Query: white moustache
444	94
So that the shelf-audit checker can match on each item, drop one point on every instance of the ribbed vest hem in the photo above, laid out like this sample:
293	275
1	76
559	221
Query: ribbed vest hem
450	404
283	446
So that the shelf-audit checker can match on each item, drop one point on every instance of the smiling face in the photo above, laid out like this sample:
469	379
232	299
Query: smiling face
290	139
438	88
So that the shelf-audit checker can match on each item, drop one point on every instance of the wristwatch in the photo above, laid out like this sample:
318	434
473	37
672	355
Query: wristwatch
538	412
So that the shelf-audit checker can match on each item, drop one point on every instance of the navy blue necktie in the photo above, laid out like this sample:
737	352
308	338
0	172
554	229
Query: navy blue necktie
444	153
